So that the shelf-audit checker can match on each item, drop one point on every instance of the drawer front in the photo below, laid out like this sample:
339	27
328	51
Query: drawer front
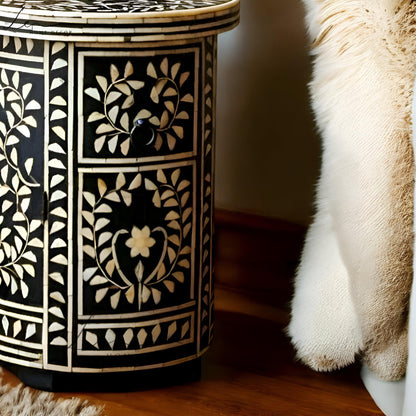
137	105
136	249
136	235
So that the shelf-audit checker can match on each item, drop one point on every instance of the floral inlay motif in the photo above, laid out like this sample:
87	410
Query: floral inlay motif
120	92
138	262
17	235
140	242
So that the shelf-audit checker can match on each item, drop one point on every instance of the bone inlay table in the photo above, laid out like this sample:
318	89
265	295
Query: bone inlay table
107	121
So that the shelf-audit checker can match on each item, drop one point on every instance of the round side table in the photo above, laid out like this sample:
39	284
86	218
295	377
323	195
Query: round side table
107	125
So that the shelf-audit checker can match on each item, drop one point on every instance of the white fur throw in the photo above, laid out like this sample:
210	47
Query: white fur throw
353	284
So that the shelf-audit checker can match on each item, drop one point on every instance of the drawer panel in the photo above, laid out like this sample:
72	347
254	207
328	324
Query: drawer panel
136	240
137	105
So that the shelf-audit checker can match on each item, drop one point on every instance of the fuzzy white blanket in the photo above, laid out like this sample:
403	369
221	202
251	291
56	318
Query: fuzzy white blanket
353	284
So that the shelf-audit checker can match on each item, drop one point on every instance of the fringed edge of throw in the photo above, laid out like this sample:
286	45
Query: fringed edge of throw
24	401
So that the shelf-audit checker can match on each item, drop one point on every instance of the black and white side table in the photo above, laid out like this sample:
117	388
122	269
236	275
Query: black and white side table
107	126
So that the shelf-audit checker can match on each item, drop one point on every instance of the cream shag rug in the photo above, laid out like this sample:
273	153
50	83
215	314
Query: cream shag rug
22	401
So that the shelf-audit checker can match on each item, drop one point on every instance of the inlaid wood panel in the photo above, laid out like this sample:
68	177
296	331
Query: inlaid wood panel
106	244
124	21
21	199
157	89
99	6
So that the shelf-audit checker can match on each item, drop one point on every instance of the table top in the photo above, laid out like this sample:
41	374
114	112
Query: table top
116	21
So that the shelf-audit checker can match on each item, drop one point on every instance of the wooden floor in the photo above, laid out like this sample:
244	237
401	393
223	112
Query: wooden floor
250	370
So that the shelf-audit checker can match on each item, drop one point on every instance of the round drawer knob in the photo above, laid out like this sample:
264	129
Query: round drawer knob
142	133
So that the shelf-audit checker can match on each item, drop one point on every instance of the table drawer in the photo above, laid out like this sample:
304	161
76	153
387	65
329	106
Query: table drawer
136	238
137	105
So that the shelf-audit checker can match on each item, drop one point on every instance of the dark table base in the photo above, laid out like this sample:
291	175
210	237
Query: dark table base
117	382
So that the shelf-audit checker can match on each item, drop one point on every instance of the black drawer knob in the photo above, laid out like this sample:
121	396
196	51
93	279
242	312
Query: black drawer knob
142	134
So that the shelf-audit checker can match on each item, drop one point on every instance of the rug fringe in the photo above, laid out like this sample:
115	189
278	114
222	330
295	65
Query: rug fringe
24	401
